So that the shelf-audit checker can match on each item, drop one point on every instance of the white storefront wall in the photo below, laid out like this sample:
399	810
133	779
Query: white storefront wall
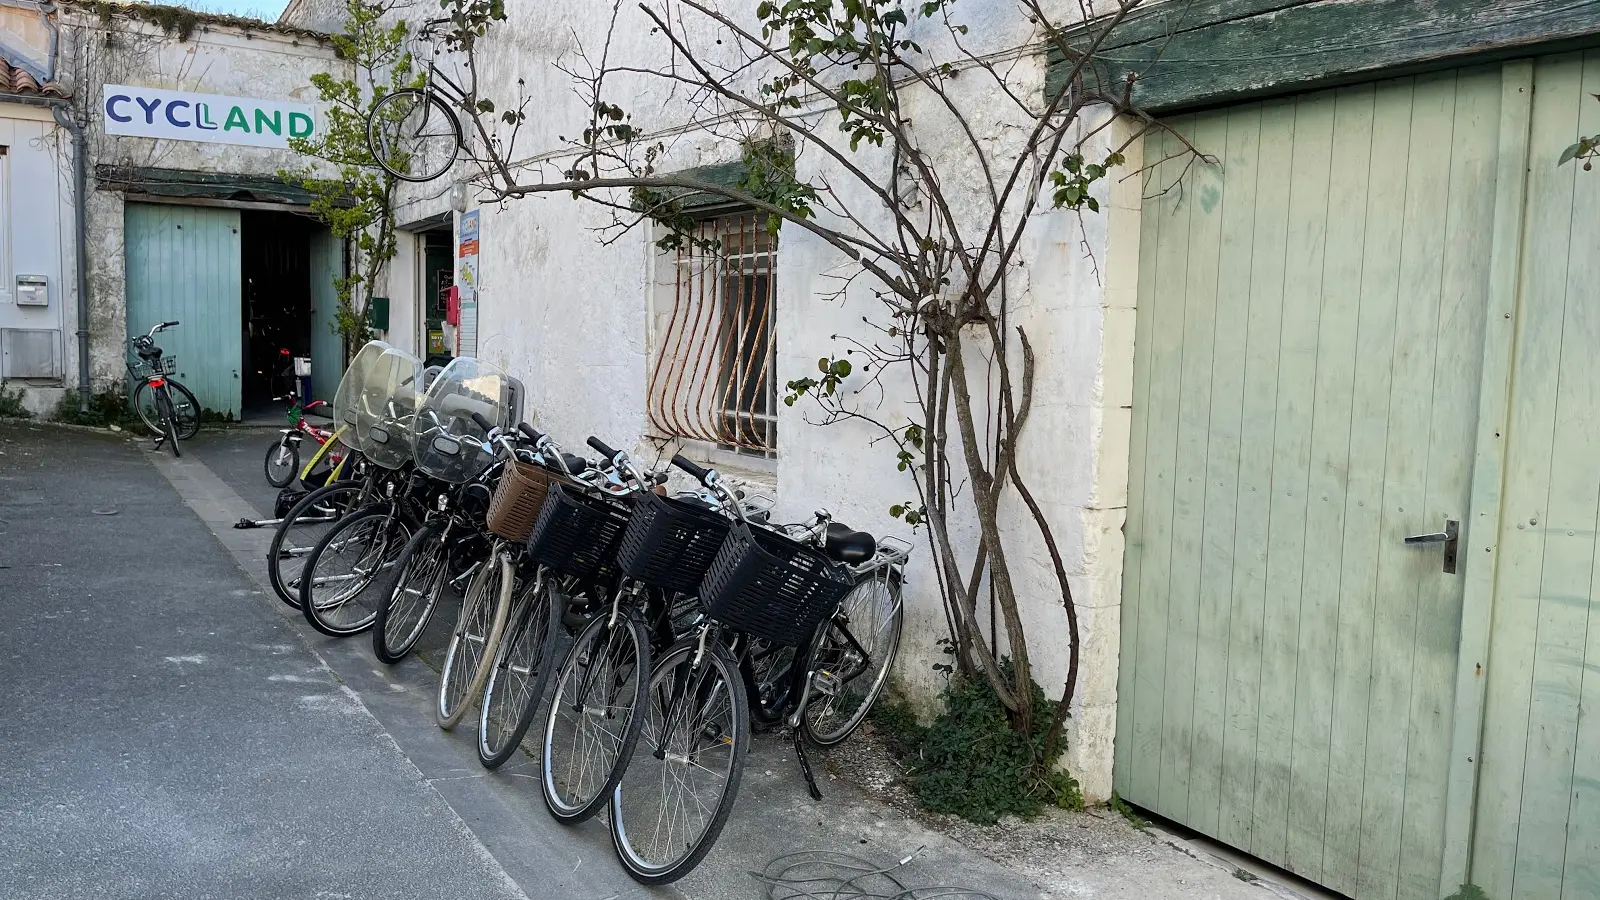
216	60
570	317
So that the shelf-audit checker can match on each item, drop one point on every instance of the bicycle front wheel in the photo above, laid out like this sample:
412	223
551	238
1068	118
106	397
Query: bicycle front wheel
169	421
337	592
851	659
300	531
678	791
404	616
475	639
282	462
414	135
592	724
521	671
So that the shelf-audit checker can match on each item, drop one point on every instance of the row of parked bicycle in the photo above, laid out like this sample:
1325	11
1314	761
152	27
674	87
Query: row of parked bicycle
663	626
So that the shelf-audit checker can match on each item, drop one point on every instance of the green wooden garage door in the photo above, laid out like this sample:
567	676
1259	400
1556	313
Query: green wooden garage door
183	264
1537	831
1310	336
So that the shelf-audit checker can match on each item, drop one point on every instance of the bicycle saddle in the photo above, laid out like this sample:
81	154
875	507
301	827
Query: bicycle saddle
848	546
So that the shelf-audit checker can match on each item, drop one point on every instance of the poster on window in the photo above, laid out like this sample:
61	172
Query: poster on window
467	284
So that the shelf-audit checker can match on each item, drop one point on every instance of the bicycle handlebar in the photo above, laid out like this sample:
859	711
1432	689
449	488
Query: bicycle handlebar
699	472
602	448
529	432
482	422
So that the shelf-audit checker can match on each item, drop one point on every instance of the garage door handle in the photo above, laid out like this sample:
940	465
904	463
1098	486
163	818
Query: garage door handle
1450	537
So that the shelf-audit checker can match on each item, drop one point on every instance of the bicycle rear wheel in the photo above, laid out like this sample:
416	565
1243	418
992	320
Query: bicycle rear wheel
414	135
475	639
300	531
520	673
852	658
337	592
185	408
402	618
678	791
592	725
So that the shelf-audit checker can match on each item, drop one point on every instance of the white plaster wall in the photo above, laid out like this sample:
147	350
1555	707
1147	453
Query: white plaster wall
36	237
215	59
567	314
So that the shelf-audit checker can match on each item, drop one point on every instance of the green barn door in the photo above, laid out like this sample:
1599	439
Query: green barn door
327	346
183	264
1309	346
1537	829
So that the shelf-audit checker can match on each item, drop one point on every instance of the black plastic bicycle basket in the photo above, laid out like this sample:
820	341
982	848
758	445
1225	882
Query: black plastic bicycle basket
770	586
670	543
577	533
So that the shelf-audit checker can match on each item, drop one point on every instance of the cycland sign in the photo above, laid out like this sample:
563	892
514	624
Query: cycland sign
181	116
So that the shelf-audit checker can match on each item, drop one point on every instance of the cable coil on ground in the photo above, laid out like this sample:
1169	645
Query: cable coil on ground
823	875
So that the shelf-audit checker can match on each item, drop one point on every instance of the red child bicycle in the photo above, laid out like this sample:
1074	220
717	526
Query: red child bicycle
283	456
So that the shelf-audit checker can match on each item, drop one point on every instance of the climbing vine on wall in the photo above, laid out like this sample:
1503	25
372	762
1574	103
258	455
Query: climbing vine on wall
357	199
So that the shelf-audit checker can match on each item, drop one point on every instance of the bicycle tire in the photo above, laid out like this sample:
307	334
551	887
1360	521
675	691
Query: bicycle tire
840	727
394	111
421	570
487	605
288	589
519	675
708	714
576	795
376	550
169	422
187	408
278	453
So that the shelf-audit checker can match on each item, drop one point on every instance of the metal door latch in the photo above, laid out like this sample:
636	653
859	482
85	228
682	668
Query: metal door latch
1450	537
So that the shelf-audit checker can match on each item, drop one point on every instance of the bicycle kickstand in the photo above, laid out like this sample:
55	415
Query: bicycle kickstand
805	764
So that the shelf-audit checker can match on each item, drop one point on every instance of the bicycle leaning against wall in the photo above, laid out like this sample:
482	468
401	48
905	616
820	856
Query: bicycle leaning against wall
166	407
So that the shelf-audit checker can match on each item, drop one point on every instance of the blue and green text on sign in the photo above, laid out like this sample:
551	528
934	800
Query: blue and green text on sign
179	115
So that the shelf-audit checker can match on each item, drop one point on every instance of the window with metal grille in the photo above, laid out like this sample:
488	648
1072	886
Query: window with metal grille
713	377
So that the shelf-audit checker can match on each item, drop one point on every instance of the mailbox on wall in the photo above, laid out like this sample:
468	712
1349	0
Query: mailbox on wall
33	290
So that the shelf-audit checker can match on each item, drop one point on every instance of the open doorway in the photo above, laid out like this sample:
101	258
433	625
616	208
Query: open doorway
436	277
275	270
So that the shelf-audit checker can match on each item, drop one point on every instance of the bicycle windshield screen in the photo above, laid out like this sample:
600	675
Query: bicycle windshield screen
388	402
450	444
346	400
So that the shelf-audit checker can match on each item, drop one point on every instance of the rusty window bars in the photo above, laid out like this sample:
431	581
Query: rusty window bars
713	376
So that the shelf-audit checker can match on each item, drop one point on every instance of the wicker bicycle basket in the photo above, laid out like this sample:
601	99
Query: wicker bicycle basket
577	533
518	498
669	543
770	586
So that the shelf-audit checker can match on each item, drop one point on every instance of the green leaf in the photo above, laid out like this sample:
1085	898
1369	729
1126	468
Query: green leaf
1569	154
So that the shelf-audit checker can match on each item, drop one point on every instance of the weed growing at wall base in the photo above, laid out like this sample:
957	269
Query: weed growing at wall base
11	403
970	763
105	408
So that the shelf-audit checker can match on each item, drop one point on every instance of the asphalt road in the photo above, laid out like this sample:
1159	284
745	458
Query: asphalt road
166	733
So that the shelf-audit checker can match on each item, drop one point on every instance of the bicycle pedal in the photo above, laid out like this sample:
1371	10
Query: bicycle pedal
825	682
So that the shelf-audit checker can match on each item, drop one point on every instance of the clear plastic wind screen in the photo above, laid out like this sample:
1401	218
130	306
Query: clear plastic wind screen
346	398
466	386
388	402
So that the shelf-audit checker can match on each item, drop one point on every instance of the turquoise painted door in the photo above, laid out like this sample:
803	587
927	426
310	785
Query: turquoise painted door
1308	356
327	347
1537	830
183	264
